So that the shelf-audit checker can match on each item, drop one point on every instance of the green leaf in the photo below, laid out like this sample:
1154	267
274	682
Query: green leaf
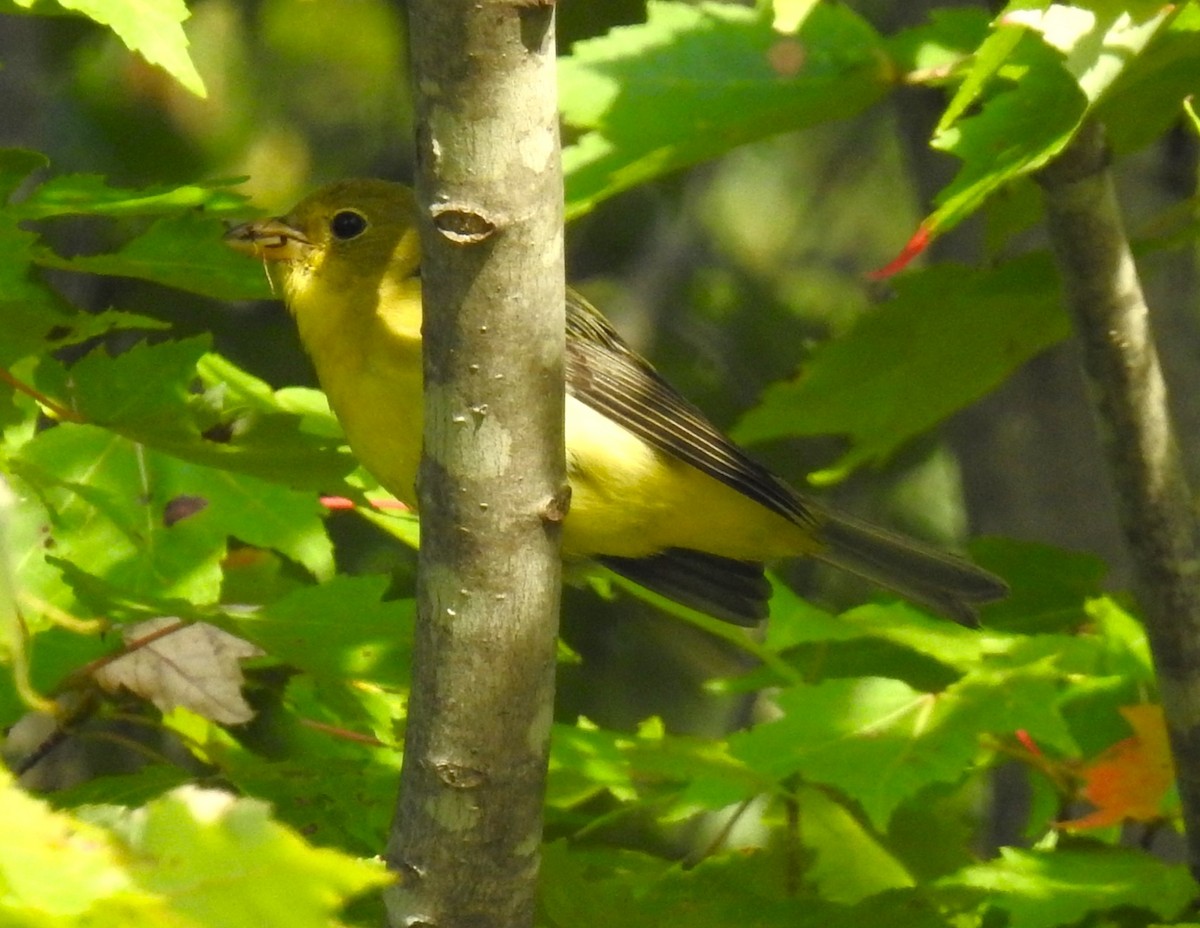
1063	59
850	862
904	625
1099	39
153	28
288	436
185	251
950	335
584	760
218	860
1148	98
592	888
1017	132
54	868
347	802
29	308
84	327
991	55
105	502
155	526
91	195
342	629
145	387
1041	889
684	775
791	14
130	789
729	76
1048	586
930	52
880	741
869	737
149	394
797	621
31	314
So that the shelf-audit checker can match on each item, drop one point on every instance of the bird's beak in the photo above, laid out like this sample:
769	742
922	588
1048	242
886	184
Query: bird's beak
268	239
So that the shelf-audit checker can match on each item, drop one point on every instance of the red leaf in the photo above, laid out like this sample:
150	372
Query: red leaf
1129	780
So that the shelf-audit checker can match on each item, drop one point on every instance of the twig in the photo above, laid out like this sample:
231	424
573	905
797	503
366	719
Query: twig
55	408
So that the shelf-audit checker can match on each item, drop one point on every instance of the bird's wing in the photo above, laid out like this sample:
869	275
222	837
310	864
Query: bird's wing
606	374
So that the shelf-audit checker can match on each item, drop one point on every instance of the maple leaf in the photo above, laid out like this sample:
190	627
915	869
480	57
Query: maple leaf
1129	780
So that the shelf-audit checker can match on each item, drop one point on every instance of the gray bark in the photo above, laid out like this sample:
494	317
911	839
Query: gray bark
492	488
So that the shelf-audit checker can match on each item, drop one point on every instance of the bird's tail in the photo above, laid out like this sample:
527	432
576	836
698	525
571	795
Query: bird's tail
949	585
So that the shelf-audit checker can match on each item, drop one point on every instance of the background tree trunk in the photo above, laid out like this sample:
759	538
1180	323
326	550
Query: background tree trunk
1121	363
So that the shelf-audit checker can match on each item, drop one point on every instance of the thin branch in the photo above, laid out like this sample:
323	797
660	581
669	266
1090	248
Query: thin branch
54	407
1113	323
492	486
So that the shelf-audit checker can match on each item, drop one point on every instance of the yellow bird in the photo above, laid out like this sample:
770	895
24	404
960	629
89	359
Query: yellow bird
659	494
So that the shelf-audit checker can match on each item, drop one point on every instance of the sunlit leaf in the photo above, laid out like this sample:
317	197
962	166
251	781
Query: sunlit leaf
153	28
342	630
730	77
217	860
40	846
153	525
1059	61
92	195
1041	889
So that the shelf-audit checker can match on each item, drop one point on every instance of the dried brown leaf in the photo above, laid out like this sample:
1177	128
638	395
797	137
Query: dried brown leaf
174	663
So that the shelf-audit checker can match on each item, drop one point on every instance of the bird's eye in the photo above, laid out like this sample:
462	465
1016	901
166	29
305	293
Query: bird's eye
347	224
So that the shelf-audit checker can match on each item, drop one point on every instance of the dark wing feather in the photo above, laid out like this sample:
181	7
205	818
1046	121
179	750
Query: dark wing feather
606	374
729	590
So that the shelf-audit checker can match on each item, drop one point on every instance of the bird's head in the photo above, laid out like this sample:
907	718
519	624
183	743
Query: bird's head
348	236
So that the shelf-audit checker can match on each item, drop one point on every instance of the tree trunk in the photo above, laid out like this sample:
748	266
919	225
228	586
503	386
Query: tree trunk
1113	322
492	487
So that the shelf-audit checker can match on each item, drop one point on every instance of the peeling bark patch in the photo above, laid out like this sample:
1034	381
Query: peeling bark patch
454	812
538	736
529	847
462	224
406	874
537	148
553	254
